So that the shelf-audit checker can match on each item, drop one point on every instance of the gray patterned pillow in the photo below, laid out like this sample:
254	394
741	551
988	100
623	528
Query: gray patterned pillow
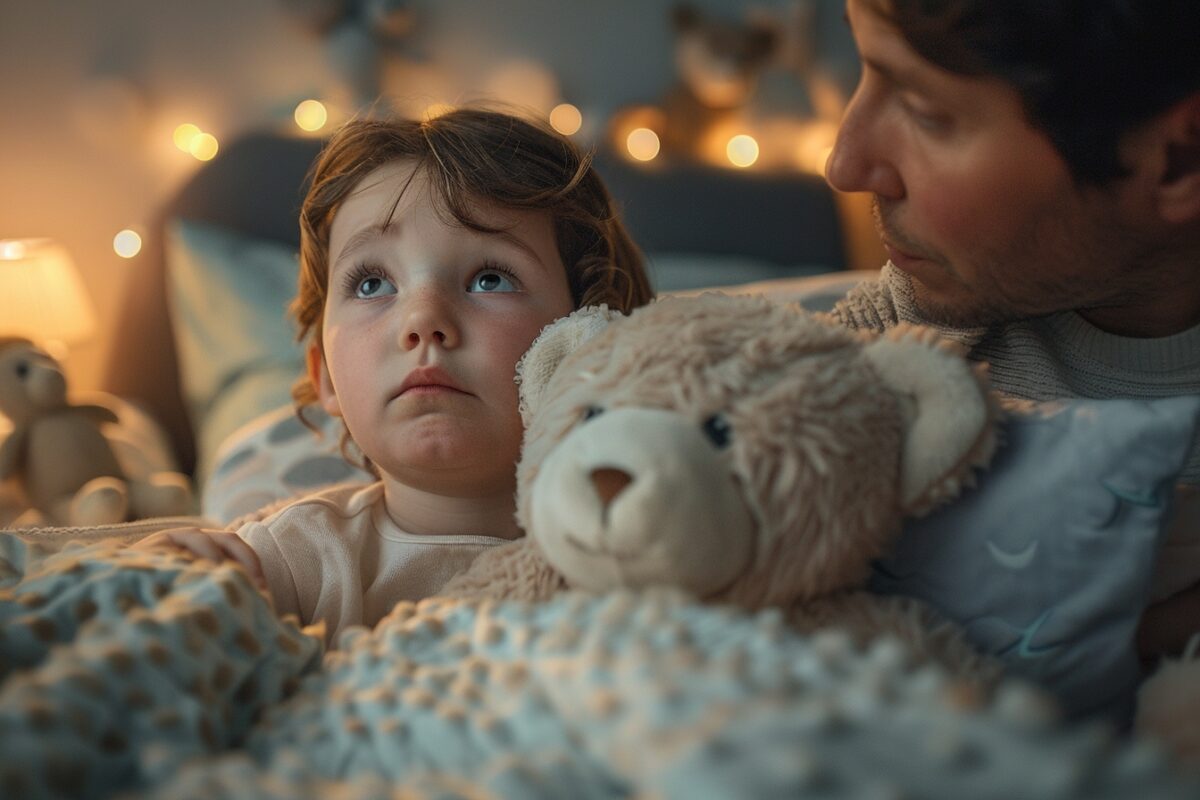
273	458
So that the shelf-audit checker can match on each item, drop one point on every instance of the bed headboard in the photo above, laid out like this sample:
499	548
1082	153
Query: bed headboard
695	223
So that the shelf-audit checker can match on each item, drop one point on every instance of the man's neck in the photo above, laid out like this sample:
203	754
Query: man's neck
1172	311
426	513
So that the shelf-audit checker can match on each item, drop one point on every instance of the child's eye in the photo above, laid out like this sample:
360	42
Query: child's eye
367	283
374	287
493	278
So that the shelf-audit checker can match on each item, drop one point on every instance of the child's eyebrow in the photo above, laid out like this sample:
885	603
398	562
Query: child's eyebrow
366	236
520	244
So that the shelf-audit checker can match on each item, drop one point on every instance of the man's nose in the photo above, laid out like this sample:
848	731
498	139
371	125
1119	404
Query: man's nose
429	319
864	156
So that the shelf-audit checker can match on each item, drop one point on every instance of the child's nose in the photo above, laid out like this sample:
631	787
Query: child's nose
429	321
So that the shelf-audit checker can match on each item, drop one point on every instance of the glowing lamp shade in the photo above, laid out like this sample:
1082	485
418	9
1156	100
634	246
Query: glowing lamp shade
41	294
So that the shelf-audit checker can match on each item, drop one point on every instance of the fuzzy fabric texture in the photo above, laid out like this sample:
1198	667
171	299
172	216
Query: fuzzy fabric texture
794	449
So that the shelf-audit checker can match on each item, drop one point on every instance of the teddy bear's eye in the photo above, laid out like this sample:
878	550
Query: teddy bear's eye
718	430
22	369
592	411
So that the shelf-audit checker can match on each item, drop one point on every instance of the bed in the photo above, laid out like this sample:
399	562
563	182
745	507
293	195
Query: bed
135	672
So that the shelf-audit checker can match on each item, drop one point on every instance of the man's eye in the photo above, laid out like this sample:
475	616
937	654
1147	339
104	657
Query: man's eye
492	280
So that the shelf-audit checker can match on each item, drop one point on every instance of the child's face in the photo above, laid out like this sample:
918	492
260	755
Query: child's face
424	323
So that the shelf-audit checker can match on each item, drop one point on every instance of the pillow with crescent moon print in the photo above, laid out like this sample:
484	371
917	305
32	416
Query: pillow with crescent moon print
1047	562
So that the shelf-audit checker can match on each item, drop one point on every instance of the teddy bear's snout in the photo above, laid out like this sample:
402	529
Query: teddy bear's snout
609	482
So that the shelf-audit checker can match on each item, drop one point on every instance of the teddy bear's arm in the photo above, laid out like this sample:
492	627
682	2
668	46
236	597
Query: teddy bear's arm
12	453
513	571
928	636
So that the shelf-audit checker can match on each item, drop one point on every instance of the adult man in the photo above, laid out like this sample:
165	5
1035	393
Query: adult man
1036	169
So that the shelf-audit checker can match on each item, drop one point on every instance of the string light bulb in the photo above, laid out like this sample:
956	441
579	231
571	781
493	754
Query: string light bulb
184	134
742	150
566	119
311	115
203	146
127	243
642	144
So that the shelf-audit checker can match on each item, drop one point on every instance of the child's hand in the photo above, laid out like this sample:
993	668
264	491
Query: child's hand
216	546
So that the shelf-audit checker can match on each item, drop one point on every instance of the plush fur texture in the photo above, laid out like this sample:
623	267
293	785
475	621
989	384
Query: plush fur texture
748	452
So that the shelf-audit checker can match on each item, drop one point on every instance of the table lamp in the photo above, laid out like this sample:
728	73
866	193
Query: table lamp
42	297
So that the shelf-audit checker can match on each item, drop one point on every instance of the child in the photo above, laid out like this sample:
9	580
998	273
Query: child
431	255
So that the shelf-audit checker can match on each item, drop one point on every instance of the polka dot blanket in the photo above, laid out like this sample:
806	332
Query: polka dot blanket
139	673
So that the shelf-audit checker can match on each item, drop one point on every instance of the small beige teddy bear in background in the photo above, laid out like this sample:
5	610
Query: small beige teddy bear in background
63	464
746	452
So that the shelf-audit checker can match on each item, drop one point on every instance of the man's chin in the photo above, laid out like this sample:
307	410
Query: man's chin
955	309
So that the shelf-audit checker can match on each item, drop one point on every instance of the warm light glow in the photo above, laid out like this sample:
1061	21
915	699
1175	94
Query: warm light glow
813	146
127	243
823	160
311	115
435	110
184	134
522	83
203	146
566	119
42	296
12	249
742	150
642	144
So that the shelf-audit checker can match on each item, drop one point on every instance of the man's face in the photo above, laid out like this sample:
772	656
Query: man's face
972	202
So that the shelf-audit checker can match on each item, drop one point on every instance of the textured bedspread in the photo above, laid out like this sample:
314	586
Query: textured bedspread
137	673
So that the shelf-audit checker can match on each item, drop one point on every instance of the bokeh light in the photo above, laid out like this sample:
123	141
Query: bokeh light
566	119
184	134
742	150
203	146
642	144
311	115
12	249
127	243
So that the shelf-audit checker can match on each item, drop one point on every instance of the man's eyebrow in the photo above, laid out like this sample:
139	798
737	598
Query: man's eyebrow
897	76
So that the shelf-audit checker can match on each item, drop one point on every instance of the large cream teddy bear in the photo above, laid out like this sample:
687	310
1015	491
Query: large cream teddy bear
744	451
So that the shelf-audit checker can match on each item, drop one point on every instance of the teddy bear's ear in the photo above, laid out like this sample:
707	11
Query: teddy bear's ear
950	413
556	341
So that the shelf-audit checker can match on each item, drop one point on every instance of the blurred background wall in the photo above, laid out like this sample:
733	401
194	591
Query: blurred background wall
93	92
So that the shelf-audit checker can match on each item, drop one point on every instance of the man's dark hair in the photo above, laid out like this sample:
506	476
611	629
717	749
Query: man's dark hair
1088	71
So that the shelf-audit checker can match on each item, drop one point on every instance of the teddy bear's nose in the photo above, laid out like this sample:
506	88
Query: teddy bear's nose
609	482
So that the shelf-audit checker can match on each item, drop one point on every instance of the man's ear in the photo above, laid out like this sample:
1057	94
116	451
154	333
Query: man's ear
318	376
1178	190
